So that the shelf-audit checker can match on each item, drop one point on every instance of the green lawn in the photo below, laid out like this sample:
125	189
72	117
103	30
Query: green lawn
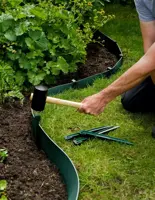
109	170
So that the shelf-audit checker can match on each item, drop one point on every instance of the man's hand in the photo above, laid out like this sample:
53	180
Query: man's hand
94	104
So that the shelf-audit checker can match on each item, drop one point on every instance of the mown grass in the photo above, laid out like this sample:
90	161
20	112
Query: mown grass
109	170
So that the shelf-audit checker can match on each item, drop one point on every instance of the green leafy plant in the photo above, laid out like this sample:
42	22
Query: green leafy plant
3	197
10	82
3	186
39	40
3	183
89	13
3	154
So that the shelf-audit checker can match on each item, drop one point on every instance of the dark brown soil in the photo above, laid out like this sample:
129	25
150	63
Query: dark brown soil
29	174
97	61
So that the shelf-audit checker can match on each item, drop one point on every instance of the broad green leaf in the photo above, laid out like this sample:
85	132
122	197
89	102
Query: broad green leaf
39	38
34	63
34	54
20	78
3	185
36	78
50	64
6	21
24	63
14	93
47	70
30	43
55	71
72	66
5	17
5	25
20	29
13	56
39	12
15	2
62	64
52	51
36	34
65	44
26	9
56	39
10	35
42	43
53	67
3	197
3	154
20	15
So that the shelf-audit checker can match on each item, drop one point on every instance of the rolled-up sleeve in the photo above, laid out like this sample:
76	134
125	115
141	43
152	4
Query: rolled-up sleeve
145	10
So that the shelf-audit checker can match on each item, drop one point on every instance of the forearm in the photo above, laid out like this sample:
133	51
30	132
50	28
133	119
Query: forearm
96	103
132	77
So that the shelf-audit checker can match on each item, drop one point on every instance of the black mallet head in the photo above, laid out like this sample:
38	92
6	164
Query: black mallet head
39	98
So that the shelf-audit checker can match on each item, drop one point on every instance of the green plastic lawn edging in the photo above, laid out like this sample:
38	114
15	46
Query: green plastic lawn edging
54	153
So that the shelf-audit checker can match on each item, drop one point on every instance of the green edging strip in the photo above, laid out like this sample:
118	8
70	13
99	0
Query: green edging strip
52	150
58	157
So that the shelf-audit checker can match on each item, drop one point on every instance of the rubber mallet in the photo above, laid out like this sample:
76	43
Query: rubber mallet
39	99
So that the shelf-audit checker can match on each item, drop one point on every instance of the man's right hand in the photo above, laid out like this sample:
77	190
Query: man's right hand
94	104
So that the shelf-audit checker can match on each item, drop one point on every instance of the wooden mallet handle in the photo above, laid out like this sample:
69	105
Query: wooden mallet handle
52	100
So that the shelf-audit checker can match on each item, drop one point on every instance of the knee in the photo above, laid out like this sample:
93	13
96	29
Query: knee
127	103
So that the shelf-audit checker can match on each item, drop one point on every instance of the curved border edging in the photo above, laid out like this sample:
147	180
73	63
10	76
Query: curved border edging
58	157
44	142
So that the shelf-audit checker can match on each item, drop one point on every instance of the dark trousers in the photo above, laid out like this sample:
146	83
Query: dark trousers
141	98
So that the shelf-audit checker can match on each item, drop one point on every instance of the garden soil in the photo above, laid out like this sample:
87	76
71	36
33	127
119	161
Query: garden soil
97	61
29	174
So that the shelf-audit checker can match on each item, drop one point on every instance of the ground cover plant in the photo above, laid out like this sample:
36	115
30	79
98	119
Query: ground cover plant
109	170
